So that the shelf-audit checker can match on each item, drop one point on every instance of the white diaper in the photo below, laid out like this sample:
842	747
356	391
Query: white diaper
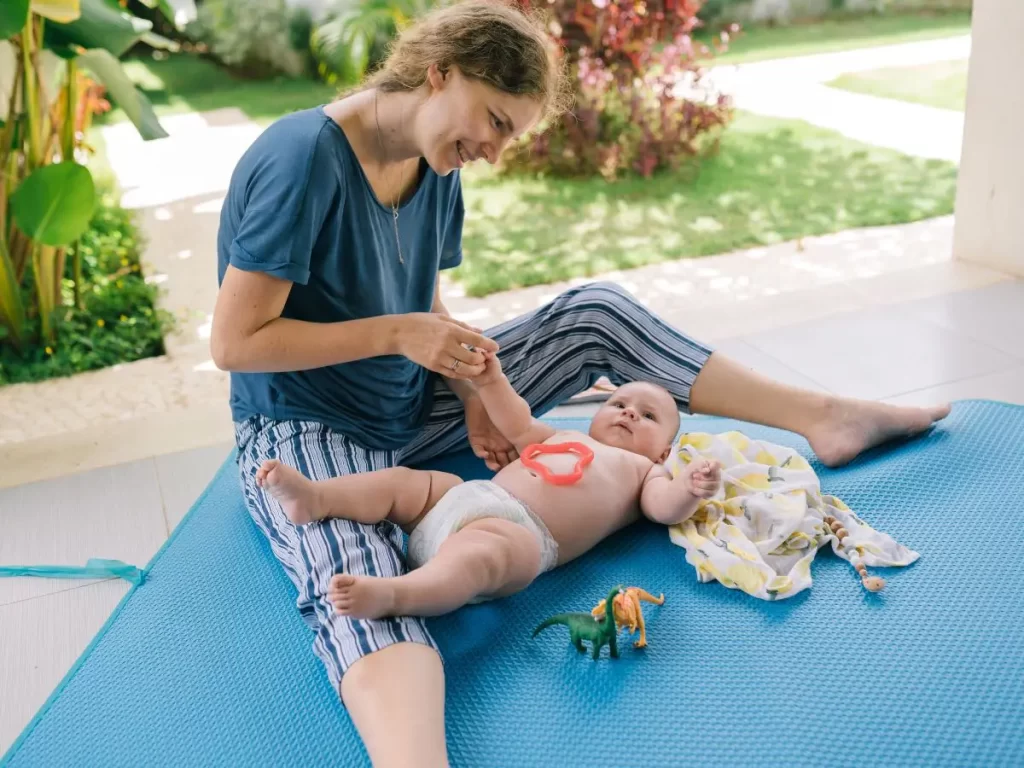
471	501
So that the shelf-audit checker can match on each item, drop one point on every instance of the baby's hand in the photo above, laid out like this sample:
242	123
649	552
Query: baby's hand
492	370
703	476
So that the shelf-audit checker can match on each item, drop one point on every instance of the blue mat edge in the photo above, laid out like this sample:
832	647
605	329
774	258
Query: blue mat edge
227	465
230	465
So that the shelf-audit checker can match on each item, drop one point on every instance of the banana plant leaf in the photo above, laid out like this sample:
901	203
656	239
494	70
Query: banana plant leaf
159	41
55	203
102	24
179	12
61	11
52	70
13	15
107	70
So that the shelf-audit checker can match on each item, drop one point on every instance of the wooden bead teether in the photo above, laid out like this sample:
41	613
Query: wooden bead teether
870	583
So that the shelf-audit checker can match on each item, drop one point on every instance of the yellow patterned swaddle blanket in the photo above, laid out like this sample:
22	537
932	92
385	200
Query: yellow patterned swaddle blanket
762	529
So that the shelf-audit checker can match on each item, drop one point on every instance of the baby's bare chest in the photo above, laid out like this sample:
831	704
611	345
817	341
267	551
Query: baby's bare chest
605	486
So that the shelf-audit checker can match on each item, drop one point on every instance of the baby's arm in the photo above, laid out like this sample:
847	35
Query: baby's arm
669	501
509	412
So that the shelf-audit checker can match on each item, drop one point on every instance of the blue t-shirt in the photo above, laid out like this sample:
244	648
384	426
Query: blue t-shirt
299	207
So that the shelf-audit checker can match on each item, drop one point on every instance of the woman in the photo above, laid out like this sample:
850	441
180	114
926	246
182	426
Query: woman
329	317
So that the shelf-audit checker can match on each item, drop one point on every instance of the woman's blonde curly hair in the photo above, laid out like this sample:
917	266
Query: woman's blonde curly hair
488	40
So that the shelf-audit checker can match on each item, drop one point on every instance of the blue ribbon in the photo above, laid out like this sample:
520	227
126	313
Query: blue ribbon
94	568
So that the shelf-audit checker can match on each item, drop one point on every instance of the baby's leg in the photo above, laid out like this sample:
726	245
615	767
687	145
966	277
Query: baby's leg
487	558
398	494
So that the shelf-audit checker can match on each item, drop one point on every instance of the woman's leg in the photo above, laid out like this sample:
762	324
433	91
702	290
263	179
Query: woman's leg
387	671
599	329
838	428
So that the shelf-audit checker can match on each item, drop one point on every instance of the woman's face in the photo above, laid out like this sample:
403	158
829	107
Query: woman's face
464	119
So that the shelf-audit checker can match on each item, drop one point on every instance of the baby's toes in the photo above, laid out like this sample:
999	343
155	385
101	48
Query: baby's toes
340	582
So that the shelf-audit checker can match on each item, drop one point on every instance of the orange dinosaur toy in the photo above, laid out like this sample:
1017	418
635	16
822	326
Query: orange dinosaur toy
627	611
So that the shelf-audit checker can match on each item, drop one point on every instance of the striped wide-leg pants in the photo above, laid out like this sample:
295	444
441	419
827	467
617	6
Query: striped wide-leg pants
548	355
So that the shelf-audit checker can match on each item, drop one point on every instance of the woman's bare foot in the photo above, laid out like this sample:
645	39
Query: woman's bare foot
362	597
296	492
851	427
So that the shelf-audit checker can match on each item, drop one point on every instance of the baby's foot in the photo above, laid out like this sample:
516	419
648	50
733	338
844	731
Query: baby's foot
362	597
296	492
851	427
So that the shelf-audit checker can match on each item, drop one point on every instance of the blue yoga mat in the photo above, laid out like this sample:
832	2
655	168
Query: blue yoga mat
207	662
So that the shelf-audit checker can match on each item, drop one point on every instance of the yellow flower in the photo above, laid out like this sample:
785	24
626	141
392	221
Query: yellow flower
49	350
100	322
124	318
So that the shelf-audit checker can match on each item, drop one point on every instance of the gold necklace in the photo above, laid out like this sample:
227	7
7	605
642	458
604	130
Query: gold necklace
394	199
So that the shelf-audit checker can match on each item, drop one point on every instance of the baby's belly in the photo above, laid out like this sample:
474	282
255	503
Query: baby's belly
579	515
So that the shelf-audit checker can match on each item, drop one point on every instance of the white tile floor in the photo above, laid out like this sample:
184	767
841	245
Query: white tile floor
960	345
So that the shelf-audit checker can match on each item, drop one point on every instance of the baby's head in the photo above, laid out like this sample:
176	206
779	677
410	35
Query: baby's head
640	417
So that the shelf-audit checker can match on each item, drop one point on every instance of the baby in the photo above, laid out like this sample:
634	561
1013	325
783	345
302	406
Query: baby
472	541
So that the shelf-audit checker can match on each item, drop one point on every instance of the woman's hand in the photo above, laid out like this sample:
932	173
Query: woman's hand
484	438
437	341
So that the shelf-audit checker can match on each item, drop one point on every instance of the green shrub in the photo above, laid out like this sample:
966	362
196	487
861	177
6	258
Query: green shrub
117	320
353	37
256	38
620	124
641	101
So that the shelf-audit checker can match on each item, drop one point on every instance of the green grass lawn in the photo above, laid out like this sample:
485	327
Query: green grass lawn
842	34
941	84
772	180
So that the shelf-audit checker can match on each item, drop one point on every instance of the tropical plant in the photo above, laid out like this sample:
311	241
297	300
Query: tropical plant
643	102
46	102
355	34
254	38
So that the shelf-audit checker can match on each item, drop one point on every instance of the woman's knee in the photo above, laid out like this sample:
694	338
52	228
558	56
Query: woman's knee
604	291
609	299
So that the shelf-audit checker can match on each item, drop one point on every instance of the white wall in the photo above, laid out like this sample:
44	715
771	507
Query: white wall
989	226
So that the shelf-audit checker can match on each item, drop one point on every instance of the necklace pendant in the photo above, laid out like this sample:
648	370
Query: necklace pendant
398	240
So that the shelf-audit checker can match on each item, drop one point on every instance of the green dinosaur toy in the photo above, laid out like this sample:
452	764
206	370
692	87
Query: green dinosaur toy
583	626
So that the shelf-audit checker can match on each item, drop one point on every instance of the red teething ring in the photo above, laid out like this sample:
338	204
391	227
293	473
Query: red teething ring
586	456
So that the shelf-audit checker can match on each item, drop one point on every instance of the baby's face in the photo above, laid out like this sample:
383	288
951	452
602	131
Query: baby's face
639	417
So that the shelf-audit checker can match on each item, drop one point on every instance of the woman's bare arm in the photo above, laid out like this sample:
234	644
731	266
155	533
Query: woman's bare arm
249	334
462	388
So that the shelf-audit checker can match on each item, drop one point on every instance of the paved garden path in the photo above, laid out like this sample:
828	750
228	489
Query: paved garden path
796	88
